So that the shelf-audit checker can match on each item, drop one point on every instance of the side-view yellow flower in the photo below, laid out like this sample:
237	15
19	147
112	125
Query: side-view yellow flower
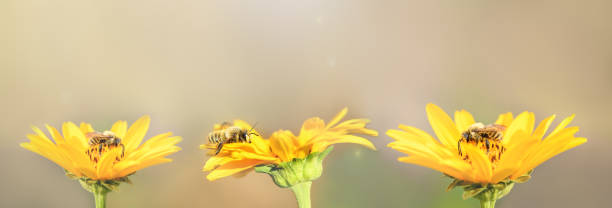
483	156
284	146
292	161
72	151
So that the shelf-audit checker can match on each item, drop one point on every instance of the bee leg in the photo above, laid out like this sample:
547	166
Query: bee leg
459	147
219	147
122	149
488	145
100	149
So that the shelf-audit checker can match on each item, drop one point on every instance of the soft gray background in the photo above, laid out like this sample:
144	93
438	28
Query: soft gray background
190	64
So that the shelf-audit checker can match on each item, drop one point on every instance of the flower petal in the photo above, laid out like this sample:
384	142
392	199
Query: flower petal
505	119
562	125
57	137
515	156
343	139
337	118
231	168
74	135
105	165
549	148
136	133
543	127
443	126
283	144
119	128
455	169
523	122
86	128
464	120
480	164
407	143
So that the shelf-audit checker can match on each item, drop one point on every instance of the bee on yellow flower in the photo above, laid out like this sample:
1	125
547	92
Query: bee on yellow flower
292	160
102	160
485	159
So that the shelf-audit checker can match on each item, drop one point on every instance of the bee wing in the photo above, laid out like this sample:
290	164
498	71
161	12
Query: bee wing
93	134
498	127
222	126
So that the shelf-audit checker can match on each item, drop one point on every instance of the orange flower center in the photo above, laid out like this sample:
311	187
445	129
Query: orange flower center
95	152
101	143
486	138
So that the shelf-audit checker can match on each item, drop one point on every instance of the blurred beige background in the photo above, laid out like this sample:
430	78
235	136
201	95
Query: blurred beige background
190	64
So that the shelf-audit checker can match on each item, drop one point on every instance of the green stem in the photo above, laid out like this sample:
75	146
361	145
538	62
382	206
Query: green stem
99	193
302	194
487	204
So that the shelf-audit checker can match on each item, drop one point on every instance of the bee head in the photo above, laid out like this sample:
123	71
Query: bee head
251	131
466	134
114	140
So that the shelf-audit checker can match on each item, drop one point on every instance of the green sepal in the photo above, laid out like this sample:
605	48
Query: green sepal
298	170
95	185
522	179
488	192
457	182
469	193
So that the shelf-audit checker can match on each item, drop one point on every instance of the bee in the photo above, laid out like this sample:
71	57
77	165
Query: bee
227	133
106	138
479	133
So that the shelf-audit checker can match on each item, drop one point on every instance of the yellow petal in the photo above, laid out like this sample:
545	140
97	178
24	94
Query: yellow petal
215	162
42	135
556	145
464	120
105	165
73	135
140	165
480	163
543	127
523	122
231	168
57	137
453	169
407	143
136	133
574	143
78	158
515	156
119	128
86	128
549	148
415	150
283	144
416	134
562	125
311	128
337	118
505	119
261	146
48	152
348	139
443	126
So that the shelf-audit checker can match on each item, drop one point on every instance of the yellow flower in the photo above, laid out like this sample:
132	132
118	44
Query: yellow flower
71	150
489	160
283	146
